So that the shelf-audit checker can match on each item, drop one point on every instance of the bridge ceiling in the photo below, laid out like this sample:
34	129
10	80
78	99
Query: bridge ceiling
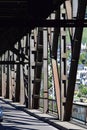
14	13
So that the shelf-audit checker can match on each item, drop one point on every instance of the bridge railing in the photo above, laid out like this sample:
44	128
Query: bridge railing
52	107
79	111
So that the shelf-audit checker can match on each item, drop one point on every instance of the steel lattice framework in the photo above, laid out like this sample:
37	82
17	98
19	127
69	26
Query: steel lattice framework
26	29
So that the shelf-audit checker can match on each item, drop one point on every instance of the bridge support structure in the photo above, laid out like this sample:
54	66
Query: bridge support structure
21	66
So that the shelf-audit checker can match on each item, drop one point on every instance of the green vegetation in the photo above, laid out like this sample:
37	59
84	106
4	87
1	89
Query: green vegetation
82	91
83	58
67	36
84	37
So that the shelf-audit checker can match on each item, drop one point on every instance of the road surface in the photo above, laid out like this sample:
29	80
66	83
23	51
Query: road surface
14	119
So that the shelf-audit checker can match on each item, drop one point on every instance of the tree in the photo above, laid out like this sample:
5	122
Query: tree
82	90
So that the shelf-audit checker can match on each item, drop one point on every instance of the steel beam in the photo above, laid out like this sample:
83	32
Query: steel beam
68	6
8	77
18	78
38	70
63	76
57	85
0	78
74	61
45	69
46	23
3	78
32	63
13	62
56	33
54	55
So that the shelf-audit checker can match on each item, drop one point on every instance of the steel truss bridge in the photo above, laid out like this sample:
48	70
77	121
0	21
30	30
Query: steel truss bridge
27	28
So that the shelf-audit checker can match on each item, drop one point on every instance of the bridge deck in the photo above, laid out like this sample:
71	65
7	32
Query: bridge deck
15	119
37	115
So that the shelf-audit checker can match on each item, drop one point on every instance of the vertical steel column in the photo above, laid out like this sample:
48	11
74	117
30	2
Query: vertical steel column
63	63
57	85
17	93
21	85
29	76
53	40
32	66
38	69
21	100
26	74
8	76
54	44
23	40
45	68
1	77
69	13
13	81
74	14
56	33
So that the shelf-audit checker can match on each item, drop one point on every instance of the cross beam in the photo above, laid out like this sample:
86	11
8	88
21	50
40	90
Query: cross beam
44	23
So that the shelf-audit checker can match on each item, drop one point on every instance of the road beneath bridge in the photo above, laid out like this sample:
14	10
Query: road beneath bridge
15	119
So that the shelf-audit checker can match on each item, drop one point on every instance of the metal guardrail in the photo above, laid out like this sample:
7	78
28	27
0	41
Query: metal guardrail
52	107
79	112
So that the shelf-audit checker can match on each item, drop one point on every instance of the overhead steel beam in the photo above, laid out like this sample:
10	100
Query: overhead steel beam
13	62
14	11
43	23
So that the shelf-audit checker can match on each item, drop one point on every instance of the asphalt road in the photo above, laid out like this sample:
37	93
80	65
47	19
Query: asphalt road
14	119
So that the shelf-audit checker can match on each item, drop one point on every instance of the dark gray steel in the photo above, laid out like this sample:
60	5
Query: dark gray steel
74	61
